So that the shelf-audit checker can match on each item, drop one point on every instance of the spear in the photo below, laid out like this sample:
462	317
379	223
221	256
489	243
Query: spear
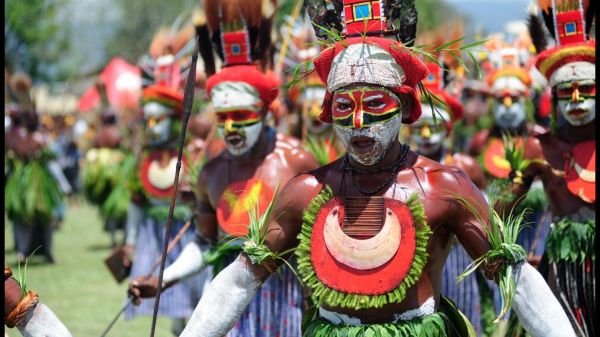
188	99
156	264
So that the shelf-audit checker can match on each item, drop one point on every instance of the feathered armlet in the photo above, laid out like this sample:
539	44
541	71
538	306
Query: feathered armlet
504	254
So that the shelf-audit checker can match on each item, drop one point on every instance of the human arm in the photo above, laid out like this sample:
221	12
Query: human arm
191	260
536	307
233	289
27	313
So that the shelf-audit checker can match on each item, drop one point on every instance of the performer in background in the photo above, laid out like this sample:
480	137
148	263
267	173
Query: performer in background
151	182
245	177
35	184
431	137
566	162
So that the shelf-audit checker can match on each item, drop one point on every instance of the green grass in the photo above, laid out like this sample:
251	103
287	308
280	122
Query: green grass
79	288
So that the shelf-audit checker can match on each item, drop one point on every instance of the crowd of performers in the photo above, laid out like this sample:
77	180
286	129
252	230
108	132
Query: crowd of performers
339	180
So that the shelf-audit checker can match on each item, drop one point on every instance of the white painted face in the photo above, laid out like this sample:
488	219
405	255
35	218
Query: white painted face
574	85
367	120
509	111
509	108
239	141
382	135
428	135
158	123
577	102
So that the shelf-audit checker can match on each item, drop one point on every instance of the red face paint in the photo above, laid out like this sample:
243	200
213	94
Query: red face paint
364	106
239	118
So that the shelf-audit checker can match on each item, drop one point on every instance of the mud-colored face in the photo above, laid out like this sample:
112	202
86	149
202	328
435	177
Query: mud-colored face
240	129
509	109
311	99
577	101
367	121
426	134
158	123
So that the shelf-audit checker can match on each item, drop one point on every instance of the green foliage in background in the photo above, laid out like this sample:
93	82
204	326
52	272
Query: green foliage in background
35	39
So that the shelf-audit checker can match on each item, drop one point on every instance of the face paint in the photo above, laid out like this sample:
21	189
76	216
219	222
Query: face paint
369	145
312	99
363	107
509	110
577	101
158	123
240	129
429	136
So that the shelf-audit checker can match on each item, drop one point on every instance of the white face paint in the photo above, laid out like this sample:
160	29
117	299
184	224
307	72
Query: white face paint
243	139
509	112
577	108
383	136
428	135
158	123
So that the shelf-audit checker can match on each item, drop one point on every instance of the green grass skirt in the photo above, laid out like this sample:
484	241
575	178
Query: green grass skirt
448	322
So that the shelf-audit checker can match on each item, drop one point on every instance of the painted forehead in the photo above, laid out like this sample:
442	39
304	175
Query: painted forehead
367	90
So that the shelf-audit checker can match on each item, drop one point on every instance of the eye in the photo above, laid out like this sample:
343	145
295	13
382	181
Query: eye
239	115
375	104
343	106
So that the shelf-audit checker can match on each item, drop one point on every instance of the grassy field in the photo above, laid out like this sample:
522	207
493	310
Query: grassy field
79	288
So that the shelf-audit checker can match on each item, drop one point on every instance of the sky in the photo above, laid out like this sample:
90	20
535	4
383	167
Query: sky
491	15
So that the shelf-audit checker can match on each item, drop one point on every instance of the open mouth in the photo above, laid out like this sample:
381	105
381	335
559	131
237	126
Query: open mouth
235	140
362	144
577	112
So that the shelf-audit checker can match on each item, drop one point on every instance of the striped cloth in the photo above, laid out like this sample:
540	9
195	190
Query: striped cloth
466	293
180	300
275	311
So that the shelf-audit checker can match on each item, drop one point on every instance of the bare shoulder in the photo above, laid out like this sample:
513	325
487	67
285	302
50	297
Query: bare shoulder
295	155
443	178
214	167
288	140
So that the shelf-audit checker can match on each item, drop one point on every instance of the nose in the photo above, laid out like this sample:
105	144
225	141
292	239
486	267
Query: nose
151	122
575	95
358	119
315	110
507	101
425	131
229	125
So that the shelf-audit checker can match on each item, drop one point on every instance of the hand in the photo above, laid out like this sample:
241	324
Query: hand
534	261
535	168
143	287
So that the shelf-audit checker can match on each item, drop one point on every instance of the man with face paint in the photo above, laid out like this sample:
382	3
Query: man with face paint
305	98
151	187
430	135
371	230
102	167
567	162
430	132
256	162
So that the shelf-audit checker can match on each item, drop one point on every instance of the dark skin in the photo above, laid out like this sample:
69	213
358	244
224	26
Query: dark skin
431	180
109	136
24	142
550	168
12	295
274	160
466	163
